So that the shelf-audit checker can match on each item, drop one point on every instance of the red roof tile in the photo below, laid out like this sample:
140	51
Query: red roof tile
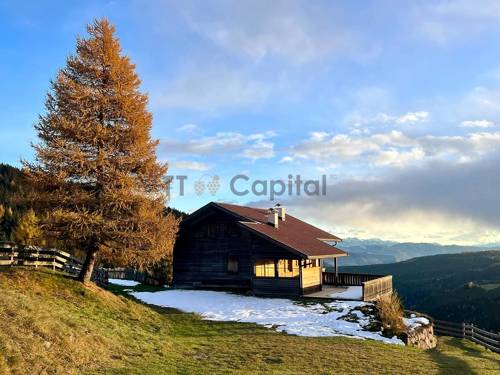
293	233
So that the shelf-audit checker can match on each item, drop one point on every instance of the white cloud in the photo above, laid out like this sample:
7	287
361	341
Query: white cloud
253	146
438	202
384	118
477	124
412	117
188	165
189	128
398	158
293	31
211	89
446	21
480	102
259	150
476	107
286	159
394	148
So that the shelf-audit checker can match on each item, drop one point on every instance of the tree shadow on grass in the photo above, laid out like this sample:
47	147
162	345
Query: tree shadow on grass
474	350
447	355
449	364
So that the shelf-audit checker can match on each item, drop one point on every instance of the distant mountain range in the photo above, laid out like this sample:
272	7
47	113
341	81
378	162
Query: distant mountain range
455	287
375	251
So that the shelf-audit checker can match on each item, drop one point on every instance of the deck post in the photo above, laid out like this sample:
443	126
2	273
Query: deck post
336	267
320	261
300	277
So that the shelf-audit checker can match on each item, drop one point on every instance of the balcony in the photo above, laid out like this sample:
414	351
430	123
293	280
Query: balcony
353	286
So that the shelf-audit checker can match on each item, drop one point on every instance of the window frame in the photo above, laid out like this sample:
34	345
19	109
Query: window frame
295	263
265	276
231	259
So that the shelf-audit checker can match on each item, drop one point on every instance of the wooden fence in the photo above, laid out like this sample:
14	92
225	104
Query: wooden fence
480	336
12	255
374	286
467	331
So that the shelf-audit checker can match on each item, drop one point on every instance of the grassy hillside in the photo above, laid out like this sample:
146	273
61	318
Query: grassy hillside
455	287
51	324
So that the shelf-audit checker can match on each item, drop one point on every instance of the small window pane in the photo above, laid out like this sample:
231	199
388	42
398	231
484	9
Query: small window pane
232	264
264	268
288	268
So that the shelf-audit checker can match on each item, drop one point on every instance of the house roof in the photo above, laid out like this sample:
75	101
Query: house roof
294	234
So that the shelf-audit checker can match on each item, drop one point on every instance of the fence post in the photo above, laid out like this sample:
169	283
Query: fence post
463	330
12	256
472	330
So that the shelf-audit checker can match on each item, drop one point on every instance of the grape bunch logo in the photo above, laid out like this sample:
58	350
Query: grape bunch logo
241	185
207	182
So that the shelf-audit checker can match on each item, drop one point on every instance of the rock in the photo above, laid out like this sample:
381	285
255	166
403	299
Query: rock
421	337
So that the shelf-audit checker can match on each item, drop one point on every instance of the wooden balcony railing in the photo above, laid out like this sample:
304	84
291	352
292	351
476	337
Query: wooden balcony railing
374	286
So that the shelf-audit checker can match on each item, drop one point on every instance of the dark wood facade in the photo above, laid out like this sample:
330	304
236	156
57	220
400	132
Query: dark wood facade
214	250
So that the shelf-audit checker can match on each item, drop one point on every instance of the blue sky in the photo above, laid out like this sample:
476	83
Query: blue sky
397	103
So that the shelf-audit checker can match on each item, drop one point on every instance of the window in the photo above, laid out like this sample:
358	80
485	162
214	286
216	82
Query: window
311	263
288	268
264	268
232	264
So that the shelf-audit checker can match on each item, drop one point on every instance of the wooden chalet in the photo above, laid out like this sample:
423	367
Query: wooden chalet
267	252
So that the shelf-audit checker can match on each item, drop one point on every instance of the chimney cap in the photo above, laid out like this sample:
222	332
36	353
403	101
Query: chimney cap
272	217
281	211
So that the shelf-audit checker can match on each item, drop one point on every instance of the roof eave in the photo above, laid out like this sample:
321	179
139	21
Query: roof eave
285	246
335	239
328	256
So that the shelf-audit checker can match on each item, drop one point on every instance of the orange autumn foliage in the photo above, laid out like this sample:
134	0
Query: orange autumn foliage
96	173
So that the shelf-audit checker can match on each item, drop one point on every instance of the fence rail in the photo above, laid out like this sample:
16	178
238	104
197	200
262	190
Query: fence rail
12	254
374	286
480	336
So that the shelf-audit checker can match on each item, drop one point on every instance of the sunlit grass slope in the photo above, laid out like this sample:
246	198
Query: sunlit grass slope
52	324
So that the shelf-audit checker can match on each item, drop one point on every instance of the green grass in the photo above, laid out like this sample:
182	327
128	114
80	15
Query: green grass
52	324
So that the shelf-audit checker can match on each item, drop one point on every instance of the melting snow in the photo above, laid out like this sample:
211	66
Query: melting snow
415	322
303	319
123	282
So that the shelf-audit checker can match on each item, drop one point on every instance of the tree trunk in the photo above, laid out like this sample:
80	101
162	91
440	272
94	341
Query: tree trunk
88	265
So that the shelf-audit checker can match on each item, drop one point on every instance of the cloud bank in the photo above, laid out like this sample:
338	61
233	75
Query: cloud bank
443	202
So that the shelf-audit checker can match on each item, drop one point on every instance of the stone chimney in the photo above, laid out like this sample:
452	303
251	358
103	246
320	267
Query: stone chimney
281	211
272	217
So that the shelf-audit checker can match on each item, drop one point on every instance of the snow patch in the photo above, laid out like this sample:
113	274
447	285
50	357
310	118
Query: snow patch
285	315
123	282
415	322
351	292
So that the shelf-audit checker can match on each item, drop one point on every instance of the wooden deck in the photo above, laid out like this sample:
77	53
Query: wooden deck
327	292
373	286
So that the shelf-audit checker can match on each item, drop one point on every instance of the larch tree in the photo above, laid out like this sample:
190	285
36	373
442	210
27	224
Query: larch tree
98	183
27	230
